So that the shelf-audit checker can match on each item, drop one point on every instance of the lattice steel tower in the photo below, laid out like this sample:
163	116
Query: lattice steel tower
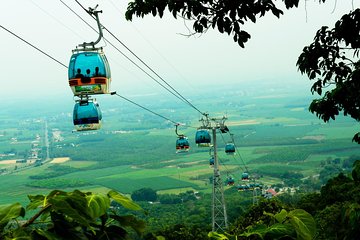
219	216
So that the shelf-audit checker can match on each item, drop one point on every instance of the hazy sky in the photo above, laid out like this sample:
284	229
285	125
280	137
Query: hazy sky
186	63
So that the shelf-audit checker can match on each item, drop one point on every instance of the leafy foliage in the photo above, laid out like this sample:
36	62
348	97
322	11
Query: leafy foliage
336	209
69	215
180	231
329	172
7	213
294	224
356	171
332	60
227	16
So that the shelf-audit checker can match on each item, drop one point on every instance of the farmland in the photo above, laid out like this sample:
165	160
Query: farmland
274	133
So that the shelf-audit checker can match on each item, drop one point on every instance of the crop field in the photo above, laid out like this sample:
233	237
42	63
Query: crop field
275	135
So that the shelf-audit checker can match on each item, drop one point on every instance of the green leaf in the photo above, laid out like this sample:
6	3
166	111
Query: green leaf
68	228
97	204
20	238
236	27
281	216
220	24
112	232
303	223
9	212
277	12
61	204
258	230
36	201
291	3
48	235
215	235
130	221
55	193
45	215
279	230
251	16
123	200
18	234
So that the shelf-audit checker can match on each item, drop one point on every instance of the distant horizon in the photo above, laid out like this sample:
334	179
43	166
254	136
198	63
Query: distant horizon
250	93
187	64
302	82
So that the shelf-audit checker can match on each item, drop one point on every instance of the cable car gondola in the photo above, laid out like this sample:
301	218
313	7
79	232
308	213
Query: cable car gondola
203	138
182	144
87	115
258	186
230	148
245	176
89	72
212	161
230	181
242	187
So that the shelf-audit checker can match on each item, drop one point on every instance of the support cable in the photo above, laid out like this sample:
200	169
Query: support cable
223	164
238	153
180	96
157	114
114	93
38	49
117	49
236	160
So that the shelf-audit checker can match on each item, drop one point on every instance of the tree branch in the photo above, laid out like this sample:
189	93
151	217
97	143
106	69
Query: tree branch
31	220
334	7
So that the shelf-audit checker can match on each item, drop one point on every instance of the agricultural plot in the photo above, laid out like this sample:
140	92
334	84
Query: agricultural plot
274	135
128	185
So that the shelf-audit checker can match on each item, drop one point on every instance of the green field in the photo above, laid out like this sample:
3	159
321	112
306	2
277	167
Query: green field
135	149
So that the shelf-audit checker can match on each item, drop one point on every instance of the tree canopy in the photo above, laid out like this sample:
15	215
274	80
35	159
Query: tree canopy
228	16
332	61
144	194
336	208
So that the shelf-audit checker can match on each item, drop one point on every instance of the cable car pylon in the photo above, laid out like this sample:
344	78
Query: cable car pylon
219	215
